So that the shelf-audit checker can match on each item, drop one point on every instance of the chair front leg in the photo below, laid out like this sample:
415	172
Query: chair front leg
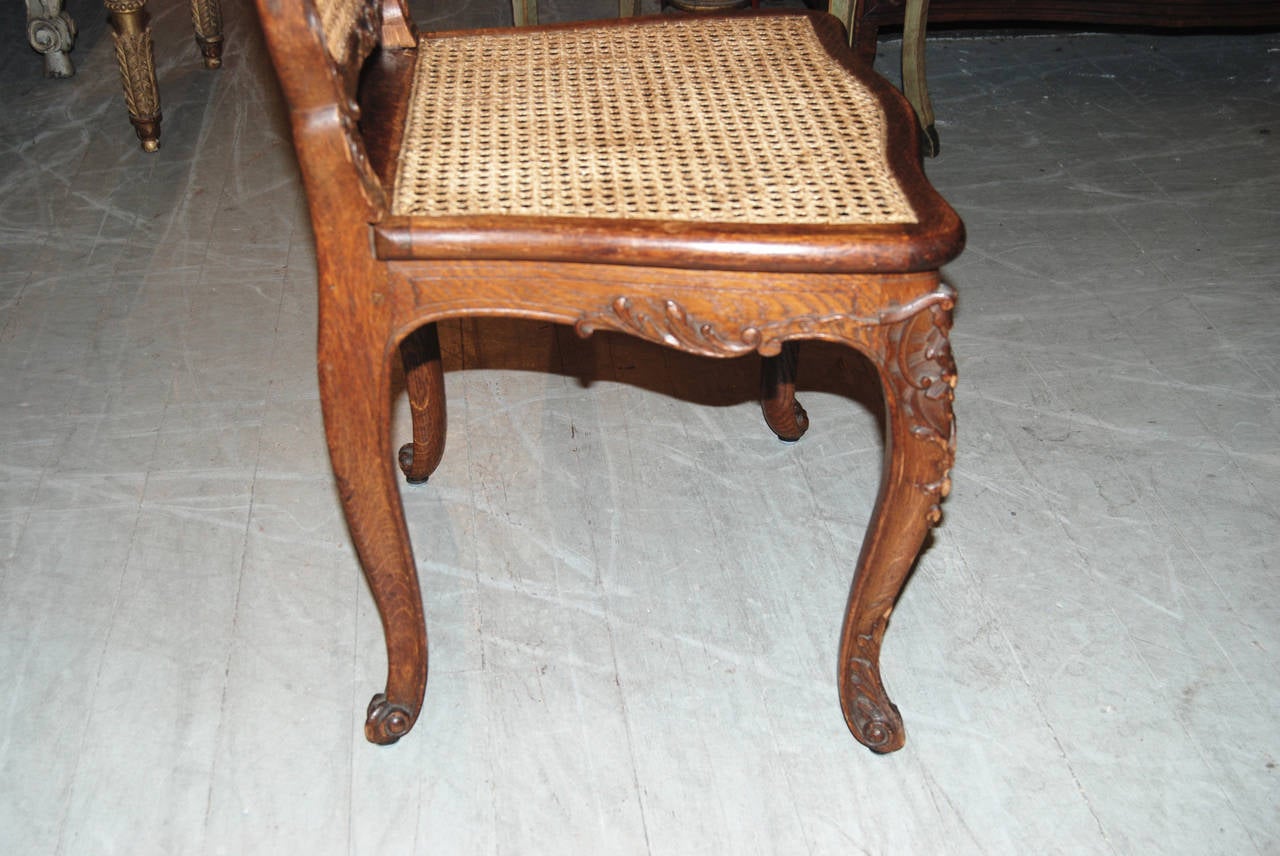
918	375
355	396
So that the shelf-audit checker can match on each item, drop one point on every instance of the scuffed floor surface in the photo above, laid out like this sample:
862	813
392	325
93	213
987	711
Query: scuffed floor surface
634	591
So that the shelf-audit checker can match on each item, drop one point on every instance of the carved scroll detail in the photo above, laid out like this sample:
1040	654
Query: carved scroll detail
667	322
52	32
386	722
876	719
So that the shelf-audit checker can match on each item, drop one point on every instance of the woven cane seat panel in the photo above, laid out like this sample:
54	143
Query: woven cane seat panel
735	120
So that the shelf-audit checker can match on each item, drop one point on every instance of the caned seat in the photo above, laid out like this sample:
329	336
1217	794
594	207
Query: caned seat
652	122
623	175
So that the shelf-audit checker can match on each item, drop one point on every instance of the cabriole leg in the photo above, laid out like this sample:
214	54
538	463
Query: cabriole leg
918	376
355	395
782	413
424	377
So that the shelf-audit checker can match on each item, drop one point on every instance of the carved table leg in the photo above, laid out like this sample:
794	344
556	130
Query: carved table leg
424	376
355	393
782	413
137	69
51	31
918	375
206	17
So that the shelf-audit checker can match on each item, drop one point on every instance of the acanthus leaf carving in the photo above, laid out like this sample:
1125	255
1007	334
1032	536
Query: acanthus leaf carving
667	322
920	366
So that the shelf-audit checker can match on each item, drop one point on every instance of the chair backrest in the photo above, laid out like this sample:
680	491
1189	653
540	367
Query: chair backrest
319	48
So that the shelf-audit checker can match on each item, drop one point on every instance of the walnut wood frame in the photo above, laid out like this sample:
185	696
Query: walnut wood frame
720	291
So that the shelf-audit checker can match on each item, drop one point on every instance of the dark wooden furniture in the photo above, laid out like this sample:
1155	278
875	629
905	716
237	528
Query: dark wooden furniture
615	176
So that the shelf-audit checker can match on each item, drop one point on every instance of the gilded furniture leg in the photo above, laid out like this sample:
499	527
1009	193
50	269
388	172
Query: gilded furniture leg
51	32
137	69
918	376
355	393
424	376
524	12
782	413
206	18
914	81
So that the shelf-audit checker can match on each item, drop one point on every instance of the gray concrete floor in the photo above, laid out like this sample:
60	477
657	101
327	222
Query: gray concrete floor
634	591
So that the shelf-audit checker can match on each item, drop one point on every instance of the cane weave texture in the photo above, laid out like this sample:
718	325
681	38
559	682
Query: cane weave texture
735	120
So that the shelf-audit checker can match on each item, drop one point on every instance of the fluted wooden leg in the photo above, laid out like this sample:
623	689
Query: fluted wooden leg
424	377
51	32
782	413
137	69
355	396
206	18
918	376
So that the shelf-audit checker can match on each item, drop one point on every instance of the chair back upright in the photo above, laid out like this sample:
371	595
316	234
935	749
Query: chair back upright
319	48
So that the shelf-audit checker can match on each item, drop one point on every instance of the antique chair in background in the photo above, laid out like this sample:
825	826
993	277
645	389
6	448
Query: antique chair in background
136	58
615	176
52	32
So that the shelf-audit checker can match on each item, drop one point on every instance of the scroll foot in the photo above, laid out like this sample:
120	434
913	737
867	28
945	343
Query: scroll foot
405	459
782	413
386	722
51	32
872	718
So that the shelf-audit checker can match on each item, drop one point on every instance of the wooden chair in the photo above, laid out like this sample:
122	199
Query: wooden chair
614	176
